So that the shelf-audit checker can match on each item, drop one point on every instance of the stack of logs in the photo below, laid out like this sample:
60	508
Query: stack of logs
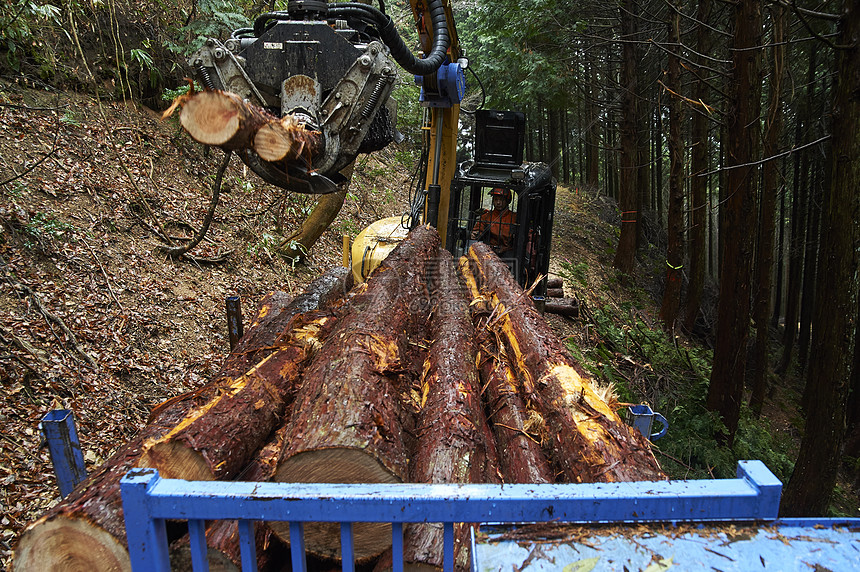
434	370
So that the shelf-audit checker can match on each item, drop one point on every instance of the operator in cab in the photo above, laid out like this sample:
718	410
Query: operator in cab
496	227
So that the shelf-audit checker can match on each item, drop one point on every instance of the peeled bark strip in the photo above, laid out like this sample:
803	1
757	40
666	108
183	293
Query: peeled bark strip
454	444
592	444
345	426
522	461
86	530
222	536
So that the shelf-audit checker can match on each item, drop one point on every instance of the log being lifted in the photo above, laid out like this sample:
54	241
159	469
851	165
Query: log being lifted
216	440
455	444
592	444
86	530
223	119
522	461
345	426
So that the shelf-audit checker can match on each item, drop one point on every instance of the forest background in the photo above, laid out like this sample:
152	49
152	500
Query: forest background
726	132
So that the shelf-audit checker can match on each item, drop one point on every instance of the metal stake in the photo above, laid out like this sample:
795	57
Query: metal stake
58	427
234	320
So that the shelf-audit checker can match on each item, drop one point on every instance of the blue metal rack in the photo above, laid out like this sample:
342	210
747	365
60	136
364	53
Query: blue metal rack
149	500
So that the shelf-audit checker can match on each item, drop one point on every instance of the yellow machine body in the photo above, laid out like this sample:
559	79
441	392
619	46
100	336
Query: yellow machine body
374	243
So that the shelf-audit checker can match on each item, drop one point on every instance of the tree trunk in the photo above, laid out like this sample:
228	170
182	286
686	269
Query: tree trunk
454	441
767	214
347	387
698	182
811	485
798	225
675	248
592	144
625	255
810	267
86	531
591	442
727	376
780	257
215	441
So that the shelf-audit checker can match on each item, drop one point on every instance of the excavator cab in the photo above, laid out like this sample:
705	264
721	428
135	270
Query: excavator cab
498	169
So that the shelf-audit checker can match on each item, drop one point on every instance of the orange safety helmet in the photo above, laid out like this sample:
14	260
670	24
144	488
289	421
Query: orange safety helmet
506	193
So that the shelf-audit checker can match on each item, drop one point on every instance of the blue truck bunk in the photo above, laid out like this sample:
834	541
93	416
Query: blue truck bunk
712	524
634	526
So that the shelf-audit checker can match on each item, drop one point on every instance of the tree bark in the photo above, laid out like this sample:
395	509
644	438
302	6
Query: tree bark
215	441
698	182
217	438
222	536
725	391
811	485
513	424
767	216
86	530
675	248
625	255
454	443
345	426
799	208
591	442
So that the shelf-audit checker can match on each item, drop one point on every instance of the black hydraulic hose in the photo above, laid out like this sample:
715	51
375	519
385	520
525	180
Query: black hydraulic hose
387	32
399	51
261	21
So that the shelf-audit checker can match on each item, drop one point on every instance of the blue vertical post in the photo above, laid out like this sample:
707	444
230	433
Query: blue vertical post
58	427
147	536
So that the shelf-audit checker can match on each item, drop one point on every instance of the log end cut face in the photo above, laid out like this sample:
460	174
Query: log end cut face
210	119
71	545
337	465
175	461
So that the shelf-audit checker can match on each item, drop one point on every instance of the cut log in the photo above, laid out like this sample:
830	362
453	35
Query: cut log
222	536
86	530
215	440
554	283
345	426
222	119
568	307
286	139
592	444
555	293
512	423
225	120
454	442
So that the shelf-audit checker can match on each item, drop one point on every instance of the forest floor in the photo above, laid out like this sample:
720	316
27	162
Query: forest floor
95	318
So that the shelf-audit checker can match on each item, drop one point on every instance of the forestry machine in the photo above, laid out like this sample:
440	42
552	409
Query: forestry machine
332	66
